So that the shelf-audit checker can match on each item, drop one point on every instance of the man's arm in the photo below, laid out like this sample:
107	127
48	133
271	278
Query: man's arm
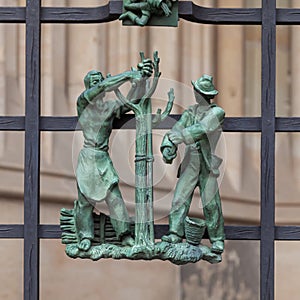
138	87
210	123
175	135
168	146
192	134
110	83
82	102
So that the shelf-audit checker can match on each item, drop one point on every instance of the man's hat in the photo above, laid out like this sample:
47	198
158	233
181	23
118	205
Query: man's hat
205	86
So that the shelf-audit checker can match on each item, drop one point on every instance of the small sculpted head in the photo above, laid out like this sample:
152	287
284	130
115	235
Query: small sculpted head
204	89
92	78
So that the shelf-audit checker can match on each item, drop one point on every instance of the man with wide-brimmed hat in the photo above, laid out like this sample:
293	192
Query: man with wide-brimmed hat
199	128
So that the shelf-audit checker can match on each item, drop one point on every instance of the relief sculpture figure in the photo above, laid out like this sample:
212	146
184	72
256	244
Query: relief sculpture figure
150	12
94	235
96	177
140	12
199	128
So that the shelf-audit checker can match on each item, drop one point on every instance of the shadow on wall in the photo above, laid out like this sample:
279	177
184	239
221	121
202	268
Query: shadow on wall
236	277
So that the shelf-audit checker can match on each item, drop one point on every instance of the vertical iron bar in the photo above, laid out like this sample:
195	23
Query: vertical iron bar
268	149
32	151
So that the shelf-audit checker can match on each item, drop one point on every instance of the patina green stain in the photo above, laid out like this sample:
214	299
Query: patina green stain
88	235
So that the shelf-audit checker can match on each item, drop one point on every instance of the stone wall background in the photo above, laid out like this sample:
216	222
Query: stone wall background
232	55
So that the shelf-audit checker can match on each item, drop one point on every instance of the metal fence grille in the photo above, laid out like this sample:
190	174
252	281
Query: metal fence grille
268	16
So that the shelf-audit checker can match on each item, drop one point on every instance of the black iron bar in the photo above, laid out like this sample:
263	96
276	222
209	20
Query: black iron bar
268	150
282	233
187	11
32	151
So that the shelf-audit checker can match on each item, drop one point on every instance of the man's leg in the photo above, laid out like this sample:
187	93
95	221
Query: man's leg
119	216
180	207
182	199
84	221
212	210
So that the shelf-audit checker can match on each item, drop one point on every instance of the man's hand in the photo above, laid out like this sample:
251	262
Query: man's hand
176	137
171	95
168	154
146	67
166	9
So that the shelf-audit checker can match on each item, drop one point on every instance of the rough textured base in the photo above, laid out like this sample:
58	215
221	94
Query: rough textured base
106	245
179	254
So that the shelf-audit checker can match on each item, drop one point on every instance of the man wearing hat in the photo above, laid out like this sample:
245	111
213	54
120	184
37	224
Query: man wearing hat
199	128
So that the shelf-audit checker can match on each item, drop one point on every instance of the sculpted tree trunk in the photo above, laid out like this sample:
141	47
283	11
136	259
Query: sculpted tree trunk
144	224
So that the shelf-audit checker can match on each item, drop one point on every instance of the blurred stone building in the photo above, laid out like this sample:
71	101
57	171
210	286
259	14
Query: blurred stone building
232	54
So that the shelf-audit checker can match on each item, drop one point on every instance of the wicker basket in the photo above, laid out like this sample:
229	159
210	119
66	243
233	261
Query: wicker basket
194	230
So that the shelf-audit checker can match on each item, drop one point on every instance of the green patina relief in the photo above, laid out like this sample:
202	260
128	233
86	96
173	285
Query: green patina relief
88	235
150	12
199	128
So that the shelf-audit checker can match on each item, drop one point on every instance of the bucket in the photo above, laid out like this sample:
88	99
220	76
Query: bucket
194	230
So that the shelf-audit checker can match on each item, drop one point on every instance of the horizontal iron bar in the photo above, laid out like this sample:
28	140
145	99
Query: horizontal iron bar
285	16
12	123
231	124
282	233
287	124
287	233
127	122
194	13
106	13
12	14
12	231
231	232
187	10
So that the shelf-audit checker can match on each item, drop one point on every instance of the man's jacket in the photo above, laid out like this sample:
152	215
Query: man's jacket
200	127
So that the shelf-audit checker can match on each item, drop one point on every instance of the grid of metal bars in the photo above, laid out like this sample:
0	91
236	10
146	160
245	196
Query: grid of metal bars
268	16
